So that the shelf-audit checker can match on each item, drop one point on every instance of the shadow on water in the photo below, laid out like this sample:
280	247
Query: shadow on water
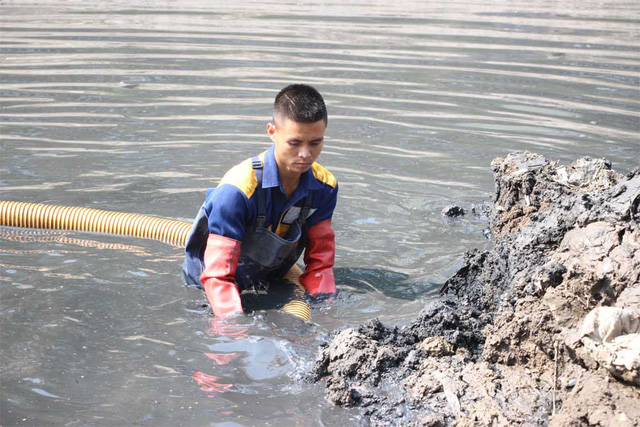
260	298
389	283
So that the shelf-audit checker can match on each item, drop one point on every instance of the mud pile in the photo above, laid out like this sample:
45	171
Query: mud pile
542	329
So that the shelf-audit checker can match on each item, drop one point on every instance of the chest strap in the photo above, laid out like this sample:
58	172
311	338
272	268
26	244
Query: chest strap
256	163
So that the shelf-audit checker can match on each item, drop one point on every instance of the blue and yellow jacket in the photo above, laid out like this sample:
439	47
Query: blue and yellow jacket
232	206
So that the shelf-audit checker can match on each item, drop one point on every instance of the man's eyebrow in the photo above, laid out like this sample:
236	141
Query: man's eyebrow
299	140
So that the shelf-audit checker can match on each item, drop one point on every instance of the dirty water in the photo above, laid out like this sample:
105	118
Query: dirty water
139	107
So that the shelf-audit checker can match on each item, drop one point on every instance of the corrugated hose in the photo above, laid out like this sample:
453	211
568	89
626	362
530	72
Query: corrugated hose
35	215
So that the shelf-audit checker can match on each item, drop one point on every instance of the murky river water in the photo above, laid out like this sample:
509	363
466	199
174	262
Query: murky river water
140	106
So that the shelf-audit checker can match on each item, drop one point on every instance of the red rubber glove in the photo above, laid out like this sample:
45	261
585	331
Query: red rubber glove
218	278
318	259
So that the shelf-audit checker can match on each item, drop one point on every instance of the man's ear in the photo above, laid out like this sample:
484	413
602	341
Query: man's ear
271	130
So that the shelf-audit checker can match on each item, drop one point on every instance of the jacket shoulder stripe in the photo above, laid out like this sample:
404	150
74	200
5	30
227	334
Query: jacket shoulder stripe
324	176
242	177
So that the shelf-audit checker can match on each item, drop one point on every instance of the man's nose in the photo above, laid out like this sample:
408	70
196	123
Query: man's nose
304	152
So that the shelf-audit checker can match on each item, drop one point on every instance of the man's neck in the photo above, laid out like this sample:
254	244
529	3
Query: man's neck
290	181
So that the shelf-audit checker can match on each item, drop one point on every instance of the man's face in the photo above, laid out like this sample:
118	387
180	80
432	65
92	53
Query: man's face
297	145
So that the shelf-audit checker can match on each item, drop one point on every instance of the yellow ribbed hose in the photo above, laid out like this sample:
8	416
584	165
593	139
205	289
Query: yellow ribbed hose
34	215
297	306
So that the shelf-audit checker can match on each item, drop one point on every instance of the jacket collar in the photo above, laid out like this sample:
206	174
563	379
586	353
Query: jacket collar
271	177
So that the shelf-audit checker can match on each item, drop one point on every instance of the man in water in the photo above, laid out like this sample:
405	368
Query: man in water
266	210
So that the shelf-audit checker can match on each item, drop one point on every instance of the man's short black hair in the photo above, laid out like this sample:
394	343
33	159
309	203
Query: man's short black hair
300	103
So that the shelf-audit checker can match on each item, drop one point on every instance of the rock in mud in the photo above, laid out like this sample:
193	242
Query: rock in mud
540	330
452	211
353	359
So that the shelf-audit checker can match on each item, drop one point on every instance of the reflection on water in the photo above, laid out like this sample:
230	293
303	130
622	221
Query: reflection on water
61	238
139	107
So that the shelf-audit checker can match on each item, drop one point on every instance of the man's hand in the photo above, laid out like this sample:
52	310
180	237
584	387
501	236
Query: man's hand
318	258
224	297
221	261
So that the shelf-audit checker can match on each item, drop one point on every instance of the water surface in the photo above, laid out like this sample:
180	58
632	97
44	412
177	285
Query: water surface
140	107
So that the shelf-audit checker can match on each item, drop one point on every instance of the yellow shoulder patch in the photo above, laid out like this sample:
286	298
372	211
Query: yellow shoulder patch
243	177
324	175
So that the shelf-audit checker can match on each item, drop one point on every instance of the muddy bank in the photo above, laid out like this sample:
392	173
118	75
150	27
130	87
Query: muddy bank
542	329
